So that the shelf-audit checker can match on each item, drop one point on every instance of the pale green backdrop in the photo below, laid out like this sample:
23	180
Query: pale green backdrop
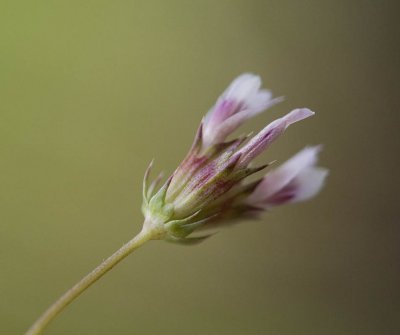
91	91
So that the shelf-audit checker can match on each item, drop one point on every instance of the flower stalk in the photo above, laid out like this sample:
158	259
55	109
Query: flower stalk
149	232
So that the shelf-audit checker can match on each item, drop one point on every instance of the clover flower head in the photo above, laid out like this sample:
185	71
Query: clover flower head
209	187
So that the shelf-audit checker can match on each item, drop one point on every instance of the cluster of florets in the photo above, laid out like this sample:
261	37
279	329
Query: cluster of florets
208	188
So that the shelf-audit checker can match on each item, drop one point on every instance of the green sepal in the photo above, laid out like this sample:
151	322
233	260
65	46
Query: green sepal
177	227
157	207
187	240
182	228
243	173
145	183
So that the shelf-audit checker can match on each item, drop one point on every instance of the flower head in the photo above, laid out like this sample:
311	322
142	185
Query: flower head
209	187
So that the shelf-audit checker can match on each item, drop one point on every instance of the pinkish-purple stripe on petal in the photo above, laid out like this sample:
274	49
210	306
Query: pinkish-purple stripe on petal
278	178
296	180
271	132
242	97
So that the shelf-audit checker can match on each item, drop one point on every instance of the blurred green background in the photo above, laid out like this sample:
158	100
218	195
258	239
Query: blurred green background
91	91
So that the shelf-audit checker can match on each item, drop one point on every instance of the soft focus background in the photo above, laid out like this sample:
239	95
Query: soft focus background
91	91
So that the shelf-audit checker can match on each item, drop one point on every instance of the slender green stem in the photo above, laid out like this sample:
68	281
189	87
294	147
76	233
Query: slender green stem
41	323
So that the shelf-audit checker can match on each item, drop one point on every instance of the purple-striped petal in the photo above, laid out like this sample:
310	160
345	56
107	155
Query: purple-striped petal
269	134
242	100
296	180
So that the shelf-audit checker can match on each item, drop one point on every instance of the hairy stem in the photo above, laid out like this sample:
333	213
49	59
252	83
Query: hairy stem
41	323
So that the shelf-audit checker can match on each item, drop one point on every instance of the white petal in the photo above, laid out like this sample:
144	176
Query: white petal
242	100
309	182
260	102
293	175
297	115
280	177
269	134
243	87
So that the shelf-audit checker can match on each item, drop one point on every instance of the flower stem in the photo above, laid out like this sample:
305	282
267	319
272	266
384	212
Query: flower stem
41	323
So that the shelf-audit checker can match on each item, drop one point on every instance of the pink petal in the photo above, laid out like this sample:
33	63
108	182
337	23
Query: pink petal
270	133
296	180
309	182
277	179
242	87
242	100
